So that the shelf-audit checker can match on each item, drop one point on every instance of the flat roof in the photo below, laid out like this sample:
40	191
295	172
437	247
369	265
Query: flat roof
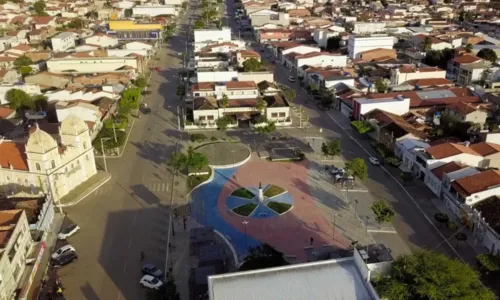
326	280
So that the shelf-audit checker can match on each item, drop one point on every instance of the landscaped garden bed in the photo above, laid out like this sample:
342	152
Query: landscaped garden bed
245	210
243	193
279	207
273	190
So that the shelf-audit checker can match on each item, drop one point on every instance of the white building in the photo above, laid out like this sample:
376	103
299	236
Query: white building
299	50
212	35
15	247
63	42
368	27
43	163
232	89
320	59
85	111
155	10
31	89
83	94
138	46
357	44
321	36
102	40
216	76
93	65
406	73
398	105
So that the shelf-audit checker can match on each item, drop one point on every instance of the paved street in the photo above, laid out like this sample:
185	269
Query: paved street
130	213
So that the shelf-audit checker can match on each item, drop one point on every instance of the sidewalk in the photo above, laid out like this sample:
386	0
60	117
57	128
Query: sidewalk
50	243
85	189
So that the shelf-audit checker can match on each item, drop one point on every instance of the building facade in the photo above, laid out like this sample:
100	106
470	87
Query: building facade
130	30
63	42
357	44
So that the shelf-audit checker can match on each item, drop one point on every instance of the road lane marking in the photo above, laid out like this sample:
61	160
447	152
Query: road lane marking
130	242
125	267
401	186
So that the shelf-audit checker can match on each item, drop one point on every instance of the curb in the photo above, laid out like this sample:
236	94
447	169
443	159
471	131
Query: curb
86	194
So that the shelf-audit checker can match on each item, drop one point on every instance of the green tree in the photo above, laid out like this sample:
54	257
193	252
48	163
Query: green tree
269	128
468	48
184	5
76	23
426	44
331	148
223	123
198	24
177	161
40	8
262	257
197	161
128	12
19	99
383	211
25	70
380	85
290	94
251	65
333	43
224	102
141	82
23	61
488	54
362	126
261	104
40	101
429	275
357	167
130	99
441	218
181	90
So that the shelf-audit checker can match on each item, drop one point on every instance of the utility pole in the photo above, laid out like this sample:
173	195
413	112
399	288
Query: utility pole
334	225
178	119
114	133
300	115
104	153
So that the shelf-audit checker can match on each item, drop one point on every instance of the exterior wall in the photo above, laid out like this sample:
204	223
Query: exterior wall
321	36
281	19
138	46
126	52
205	117
206	35
323	61
231	94
65	95
18	248
278	113
398	107
63	42
94	65
476	117
31	89
217	76
368	27
128	30
256	77
332	83
434	184
361	44
103	41
299	49
398	78
154	10
211	64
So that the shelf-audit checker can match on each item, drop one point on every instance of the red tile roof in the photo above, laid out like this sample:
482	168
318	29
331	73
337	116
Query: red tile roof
5	111
461	95
485	148
466	59
476	183
13	154
449	149
447	168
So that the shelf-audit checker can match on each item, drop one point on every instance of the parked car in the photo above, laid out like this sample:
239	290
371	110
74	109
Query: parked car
157	69
374	160
68	231
150	269
62	250
150	282
291	79
65	258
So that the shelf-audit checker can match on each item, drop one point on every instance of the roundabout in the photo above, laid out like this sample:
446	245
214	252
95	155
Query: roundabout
260	202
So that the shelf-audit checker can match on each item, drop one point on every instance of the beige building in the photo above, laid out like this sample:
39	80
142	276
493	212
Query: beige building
44	163
15	247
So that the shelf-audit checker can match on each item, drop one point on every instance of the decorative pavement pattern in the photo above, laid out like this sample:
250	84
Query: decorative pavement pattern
289	233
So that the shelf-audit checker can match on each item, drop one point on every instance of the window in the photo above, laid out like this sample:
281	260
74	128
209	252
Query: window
197	94
84	145
38	167
210	118
53	164
282	114
274	115
202	118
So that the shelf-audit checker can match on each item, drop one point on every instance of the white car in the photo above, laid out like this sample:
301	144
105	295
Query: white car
62	250
374	160
68	231
291	79
151	282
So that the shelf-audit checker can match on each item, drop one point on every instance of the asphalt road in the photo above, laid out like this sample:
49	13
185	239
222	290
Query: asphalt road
129	214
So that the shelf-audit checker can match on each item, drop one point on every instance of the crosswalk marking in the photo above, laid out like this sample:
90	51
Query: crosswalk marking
157	187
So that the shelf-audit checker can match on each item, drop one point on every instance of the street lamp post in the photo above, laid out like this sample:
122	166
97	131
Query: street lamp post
356	205
334	224
246	242
104	153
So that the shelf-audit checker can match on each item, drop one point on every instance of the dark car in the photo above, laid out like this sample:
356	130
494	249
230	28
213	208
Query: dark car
150	269
65	258
146	110
146	92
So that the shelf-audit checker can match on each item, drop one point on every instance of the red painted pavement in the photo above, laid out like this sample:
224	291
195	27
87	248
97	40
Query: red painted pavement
290	232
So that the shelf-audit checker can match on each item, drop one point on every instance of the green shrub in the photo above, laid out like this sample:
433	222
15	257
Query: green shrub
488	262
214	138
362	126
198	137
393	161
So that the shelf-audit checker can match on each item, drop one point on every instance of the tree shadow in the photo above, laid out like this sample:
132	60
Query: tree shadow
145	194
89	292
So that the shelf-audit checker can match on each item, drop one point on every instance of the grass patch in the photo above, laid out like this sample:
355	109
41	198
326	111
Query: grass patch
194	181
273	190
245	210
279	207
243	193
